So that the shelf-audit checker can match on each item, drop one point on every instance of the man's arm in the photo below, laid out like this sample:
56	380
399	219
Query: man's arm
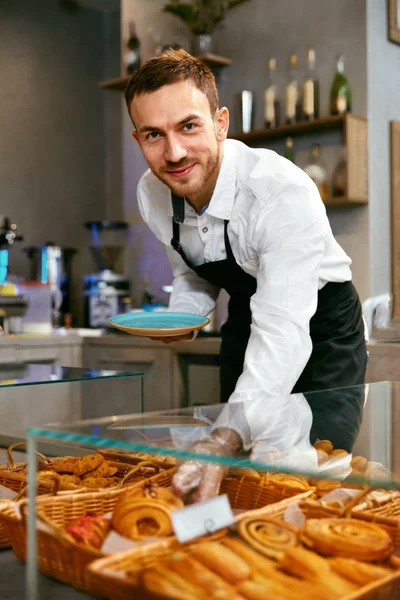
190	293
288	239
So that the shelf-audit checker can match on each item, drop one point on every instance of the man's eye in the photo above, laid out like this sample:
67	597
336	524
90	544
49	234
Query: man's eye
153	135
189	126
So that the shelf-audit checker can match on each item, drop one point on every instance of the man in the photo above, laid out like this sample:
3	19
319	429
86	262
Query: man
251	222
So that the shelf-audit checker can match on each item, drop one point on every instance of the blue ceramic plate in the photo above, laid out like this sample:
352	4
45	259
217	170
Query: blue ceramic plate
158	324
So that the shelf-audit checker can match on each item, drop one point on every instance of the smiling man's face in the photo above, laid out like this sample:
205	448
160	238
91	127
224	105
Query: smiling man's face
180	139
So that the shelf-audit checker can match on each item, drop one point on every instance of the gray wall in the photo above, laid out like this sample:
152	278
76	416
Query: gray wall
51	123
383	106
251	33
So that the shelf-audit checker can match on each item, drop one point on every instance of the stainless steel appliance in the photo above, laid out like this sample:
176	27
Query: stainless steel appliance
52	265
106	291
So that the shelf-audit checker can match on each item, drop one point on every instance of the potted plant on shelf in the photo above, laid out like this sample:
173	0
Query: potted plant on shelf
202	17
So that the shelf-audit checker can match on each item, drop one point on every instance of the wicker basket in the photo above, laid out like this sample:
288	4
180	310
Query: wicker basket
13	475
58	554
248	493
112	577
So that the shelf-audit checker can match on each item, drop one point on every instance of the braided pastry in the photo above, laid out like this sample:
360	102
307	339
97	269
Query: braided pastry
349	538
269	537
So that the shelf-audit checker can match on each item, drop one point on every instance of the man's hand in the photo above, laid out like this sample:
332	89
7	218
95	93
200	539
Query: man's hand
198	480
173	338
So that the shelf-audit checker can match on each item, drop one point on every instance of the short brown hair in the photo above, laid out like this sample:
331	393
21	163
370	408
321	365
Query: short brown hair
172	67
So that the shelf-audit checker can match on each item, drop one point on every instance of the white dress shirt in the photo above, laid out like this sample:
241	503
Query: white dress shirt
279	233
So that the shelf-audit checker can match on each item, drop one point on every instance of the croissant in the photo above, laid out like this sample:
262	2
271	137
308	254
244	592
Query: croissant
348	538
359	572
269	537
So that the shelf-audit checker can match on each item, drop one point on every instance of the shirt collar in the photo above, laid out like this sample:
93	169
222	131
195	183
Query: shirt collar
223	198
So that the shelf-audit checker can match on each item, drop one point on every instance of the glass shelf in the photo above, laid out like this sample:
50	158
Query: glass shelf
21	374
278	433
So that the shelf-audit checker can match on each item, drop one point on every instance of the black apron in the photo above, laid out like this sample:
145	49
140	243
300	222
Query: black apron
339	355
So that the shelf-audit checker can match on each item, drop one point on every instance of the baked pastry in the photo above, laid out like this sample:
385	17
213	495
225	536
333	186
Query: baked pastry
87	463
72	479
239	473
338	453
152	491
359	464
137	519
200	575
323	486
309	566
93	482
322	456
66	465
324	445
264	569
269	537
295	483
90	530
162	582
359	572
348	538
222	561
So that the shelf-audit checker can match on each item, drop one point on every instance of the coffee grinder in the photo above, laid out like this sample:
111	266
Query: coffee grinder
106	291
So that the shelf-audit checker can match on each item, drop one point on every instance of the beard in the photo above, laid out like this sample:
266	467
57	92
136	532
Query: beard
189	186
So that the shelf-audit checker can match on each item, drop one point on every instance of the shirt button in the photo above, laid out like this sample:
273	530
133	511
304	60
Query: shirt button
205	229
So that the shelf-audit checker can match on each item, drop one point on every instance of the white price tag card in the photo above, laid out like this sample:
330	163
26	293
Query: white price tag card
205	517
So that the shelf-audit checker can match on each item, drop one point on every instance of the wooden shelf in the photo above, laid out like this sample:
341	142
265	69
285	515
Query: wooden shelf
354	132
117	83
339	201
301	128
211	60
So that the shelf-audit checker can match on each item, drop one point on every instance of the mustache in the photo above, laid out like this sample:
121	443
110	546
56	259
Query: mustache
172	166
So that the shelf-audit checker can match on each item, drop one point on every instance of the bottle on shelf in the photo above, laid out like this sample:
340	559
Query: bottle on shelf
340	96
311	90
271	102
292	97
317	172
339	176
132	55
289	151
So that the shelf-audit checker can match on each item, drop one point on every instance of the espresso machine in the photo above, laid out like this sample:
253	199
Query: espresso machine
106	291
12	304
50	264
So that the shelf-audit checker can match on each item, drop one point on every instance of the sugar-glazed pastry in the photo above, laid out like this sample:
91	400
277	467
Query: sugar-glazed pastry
269	537
350	538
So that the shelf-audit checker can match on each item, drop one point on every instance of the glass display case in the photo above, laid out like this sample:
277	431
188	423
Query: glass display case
346	435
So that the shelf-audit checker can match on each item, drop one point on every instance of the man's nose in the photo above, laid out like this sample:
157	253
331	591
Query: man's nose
174	150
